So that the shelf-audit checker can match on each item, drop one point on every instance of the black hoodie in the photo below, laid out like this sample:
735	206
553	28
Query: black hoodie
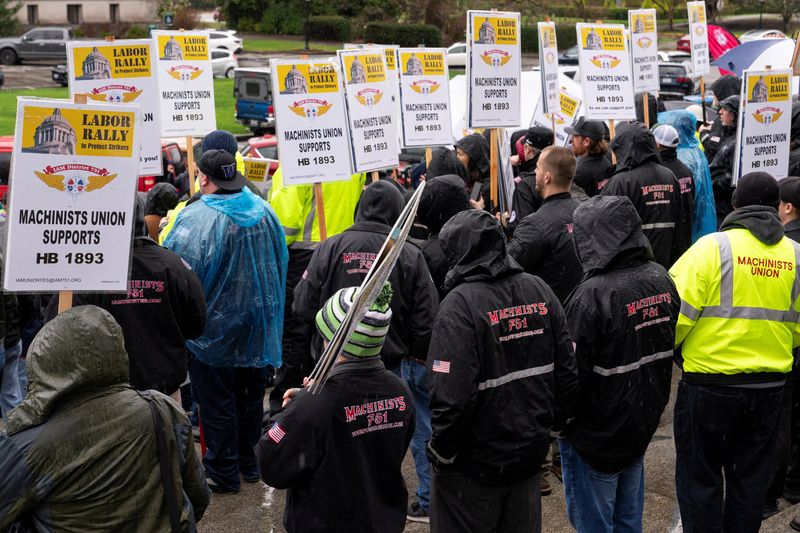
762	221
721	167
344	260
443	162
724	87
165	305
622	320
654	191
477	148
443	197
500	367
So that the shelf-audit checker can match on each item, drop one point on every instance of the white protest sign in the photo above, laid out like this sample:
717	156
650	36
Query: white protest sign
567	115
644	50
765	118
121	72
605	72
493	69
311	123
371	113
425	97
185	83
73	183
698	35
548	65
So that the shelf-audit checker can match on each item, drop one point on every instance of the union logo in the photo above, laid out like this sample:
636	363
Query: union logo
75	179
185	72
550	57
496	58
115	93
767	115
699	30
644	42
369	96
605	61
425	86
310	107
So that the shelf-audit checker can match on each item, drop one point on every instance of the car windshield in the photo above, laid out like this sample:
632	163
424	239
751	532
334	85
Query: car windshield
268	152
671	71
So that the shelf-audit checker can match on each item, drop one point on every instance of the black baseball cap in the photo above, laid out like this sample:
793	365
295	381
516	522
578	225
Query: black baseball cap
220	167
790	191
593	129
538	137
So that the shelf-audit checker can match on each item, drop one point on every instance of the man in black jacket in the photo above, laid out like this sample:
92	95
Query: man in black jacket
343	261
590	148
794	141
712	136
502	376
542	243
164	307
340	452
667	140
722	164
525	199
654	191
622	320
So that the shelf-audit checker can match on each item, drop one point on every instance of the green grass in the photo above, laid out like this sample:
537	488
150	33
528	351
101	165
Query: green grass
285	45
223	99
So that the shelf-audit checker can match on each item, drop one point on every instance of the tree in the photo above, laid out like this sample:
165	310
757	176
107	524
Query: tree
8	17
785	8
668	7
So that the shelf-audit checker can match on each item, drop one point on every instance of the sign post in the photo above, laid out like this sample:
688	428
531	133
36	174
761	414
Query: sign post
71	198
764	123
698	35
644	54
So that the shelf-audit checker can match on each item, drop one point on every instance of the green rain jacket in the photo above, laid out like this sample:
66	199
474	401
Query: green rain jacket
79	453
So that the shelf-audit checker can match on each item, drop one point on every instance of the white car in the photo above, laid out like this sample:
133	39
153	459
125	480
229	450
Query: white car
223	62
225	40
754	35
457	55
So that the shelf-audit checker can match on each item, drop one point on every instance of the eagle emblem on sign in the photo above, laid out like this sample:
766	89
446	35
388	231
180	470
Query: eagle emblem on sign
495	58
185	72
310	108
118	94
425	86
605	61
75	179
369	97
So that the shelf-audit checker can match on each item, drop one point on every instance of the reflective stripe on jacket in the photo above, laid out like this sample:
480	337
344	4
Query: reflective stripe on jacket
739	308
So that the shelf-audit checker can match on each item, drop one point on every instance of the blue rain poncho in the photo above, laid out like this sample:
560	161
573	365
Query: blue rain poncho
691	155
237	248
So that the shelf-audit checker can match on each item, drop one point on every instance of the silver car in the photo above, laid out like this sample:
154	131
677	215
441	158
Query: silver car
223	62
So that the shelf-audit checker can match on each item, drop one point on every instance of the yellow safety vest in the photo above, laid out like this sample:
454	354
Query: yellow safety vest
739	304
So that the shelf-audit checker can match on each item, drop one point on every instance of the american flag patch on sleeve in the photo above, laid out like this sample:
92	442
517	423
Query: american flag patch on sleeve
441	366
276	433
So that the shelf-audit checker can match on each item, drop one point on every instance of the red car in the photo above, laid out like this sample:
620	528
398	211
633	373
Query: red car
265	147
6	147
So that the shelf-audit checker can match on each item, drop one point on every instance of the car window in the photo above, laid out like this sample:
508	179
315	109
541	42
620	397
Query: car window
54	35
218	36
216	54
268	152
670	71
253	87
35	35
459	50
5	166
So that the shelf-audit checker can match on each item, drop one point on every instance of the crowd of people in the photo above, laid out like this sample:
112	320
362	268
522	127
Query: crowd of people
509	344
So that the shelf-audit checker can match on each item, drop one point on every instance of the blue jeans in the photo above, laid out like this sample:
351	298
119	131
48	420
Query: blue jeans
9	383
22	372
231	403
598	502
415	375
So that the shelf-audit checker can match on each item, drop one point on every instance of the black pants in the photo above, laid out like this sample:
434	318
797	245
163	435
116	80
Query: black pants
724	431
297	361
783	451
460	504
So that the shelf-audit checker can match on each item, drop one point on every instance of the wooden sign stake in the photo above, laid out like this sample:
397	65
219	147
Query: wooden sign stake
320	206
646	108
612	132
493	165
374	176
428	156
190	163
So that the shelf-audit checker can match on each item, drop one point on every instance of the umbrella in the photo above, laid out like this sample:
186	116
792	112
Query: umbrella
720	40
756	55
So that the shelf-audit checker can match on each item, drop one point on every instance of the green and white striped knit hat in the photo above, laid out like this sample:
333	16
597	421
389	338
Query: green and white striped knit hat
367	339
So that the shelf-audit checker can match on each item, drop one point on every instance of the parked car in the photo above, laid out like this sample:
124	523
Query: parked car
754	35
37	43
60	75
252	90
674	56
223	62
675	81
569	56
225	40
264	147
457	55
6	147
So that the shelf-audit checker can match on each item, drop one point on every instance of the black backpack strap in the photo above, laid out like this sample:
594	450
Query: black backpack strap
164	463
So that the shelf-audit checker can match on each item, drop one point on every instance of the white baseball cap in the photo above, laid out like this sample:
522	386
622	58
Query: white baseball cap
666	135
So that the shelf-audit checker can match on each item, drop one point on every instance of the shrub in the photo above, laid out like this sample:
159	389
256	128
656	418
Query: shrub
565	36
330	28
284	18
402	34
137	32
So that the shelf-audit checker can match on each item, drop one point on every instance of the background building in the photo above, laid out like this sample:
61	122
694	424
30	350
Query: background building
74	12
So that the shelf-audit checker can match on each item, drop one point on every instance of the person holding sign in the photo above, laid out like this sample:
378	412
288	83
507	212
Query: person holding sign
721	166
233	241
712	136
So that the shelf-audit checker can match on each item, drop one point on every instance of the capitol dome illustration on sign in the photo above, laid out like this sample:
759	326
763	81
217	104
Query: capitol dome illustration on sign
95	66
294	82
593	41
172	50
760	92
414	66
53	136
358	74
486	33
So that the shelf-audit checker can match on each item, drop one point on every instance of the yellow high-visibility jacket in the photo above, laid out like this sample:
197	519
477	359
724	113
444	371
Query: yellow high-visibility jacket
740	304
296	208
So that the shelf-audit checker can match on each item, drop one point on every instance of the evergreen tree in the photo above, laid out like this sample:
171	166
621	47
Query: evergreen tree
8	17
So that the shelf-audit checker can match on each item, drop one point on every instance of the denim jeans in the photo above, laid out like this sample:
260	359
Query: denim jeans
231	402
22	372
415	375
725	442
9	383
598	502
